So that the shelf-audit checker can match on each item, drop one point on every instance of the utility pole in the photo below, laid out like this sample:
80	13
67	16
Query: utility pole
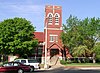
45	65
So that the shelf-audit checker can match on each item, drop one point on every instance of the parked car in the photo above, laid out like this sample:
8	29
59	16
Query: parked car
14	67
31	62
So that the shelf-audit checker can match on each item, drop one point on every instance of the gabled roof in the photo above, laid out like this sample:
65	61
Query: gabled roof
55	44
39	36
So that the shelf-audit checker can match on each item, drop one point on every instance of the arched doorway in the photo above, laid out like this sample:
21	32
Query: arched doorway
54	52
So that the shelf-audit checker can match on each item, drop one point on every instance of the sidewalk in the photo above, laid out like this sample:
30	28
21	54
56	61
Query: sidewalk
82	67
74	67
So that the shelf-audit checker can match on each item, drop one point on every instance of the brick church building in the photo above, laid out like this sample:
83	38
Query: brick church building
50	45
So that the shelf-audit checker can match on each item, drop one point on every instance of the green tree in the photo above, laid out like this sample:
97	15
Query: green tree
17	36
97	50
81	35
70	35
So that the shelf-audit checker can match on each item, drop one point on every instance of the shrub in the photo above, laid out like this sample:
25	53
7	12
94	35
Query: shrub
98	58
62	62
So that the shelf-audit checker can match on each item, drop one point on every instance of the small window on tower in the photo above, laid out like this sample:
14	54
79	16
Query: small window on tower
50	19
53	38
56	19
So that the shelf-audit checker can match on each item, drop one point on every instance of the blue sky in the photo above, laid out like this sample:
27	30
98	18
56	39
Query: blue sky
33	10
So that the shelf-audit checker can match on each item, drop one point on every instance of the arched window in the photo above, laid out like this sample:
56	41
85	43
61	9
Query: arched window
50	19
56	19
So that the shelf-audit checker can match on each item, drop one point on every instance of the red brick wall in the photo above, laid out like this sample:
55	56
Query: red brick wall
57	9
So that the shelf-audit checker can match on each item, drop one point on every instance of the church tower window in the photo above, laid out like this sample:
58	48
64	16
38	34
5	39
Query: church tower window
56	19
50	19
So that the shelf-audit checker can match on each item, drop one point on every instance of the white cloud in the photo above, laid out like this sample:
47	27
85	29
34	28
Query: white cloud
34	13
23	9
27	8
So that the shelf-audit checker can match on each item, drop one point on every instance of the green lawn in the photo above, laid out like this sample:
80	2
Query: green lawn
83	64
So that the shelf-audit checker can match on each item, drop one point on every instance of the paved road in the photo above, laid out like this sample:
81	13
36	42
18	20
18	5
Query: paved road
63	70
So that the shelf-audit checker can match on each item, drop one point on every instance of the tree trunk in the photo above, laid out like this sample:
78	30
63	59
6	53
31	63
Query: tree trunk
94	55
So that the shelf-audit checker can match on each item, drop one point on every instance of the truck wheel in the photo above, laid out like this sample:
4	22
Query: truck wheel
32	69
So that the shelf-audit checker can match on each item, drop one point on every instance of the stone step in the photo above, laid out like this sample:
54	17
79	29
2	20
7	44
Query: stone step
54	60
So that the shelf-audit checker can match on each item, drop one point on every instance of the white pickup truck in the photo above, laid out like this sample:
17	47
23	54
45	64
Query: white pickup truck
31	62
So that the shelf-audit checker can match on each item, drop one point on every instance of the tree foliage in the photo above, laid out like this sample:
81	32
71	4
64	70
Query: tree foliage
81	33
97	50
16	36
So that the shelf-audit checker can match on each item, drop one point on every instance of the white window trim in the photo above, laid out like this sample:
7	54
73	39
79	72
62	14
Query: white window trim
56	23
53	35
50	18
49	23
49	14
57	14
57	19
51	40
55	39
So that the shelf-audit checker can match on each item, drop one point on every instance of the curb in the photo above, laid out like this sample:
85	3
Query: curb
75	68
83	68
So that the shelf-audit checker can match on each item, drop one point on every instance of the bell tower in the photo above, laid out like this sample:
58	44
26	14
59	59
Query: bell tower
52	31
53	23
